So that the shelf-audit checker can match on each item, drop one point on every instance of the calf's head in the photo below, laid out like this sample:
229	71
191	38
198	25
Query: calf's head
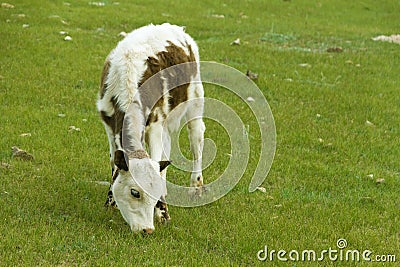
137	188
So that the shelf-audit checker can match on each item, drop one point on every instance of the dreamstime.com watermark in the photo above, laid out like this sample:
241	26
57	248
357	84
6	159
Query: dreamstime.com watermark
338	253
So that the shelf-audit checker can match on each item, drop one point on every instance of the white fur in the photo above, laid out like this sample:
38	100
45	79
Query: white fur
129	57
127	66
138	212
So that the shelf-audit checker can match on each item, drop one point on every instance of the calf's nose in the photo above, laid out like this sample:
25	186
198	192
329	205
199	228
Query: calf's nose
148	231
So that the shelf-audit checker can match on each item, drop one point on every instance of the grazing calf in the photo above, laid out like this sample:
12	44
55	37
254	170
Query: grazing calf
154	70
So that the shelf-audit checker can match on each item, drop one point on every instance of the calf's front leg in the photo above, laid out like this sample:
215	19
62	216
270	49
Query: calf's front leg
159	146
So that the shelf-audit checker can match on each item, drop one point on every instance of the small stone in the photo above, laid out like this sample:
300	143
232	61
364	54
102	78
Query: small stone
97	3
251	75
218	16
21	154
250	99
123	34
368	123
25	26
334	49
25	135
61	115
262	189
243	16
5	165
394	38
380	181
305	65
72	128
7	5
236	42
68	38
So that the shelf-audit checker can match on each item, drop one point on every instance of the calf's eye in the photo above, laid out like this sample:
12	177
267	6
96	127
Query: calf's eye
135	193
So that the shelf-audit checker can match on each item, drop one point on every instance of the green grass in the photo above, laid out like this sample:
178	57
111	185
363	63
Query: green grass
317	192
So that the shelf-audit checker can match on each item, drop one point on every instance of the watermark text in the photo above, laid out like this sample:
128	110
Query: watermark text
338	253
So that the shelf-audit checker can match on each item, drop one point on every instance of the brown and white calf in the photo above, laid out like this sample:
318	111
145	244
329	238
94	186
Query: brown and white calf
152	71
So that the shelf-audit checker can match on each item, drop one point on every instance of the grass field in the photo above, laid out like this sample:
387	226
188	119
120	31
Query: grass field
336	168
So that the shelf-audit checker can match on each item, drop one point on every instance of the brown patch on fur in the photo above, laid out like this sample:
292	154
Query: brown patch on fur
104	74
153	117
115	121
138	154
110	202
121	161
152	94
152	90
163	207
115	175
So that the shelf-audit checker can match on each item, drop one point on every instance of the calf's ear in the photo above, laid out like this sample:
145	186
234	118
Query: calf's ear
121	160
164	164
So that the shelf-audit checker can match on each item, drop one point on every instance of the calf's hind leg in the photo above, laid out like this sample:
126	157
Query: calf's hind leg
196	128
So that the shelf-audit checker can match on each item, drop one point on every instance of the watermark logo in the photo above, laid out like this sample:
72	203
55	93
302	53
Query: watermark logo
221	112
338	253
